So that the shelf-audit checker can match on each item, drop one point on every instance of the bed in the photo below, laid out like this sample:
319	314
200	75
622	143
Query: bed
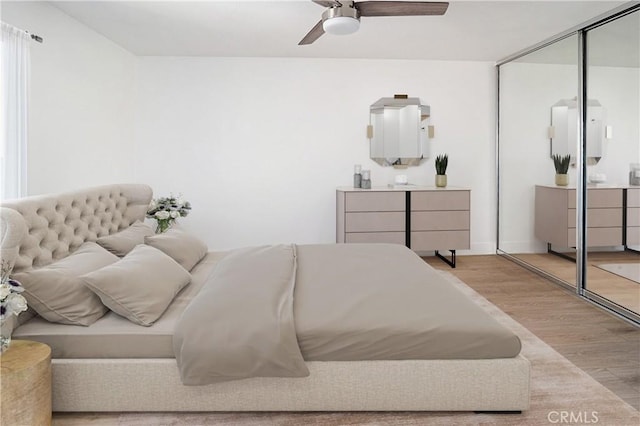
345	358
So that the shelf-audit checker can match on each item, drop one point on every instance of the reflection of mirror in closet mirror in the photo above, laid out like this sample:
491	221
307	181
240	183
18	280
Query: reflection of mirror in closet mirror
613	206
564	129
528	87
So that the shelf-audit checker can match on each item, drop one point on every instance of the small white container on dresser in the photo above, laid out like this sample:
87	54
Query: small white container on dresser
420	217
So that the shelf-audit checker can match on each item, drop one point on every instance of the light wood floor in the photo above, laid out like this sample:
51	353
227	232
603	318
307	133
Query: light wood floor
617	289
602	345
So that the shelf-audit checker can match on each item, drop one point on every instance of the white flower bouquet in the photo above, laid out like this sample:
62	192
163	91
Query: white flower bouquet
166	210
11	301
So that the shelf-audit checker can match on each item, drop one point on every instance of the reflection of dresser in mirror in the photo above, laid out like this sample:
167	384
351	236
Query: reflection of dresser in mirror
613	216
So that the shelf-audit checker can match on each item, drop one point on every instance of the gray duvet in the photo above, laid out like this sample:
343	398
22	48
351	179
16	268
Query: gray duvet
264	310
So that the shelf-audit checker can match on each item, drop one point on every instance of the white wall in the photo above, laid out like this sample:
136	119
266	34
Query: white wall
258	145
81	102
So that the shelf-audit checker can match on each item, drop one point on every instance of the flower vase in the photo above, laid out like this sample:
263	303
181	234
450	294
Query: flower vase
441	181
163	225
5	340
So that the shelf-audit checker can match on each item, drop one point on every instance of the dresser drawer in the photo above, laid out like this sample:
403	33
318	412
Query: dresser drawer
597	218
598	198
440	220
439	240
633	197
375	222
375	201
376	237
597	237
439	200
633	217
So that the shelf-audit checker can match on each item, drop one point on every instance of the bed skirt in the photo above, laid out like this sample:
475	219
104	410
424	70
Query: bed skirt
413	385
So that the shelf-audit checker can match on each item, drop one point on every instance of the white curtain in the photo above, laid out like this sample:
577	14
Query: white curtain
14	73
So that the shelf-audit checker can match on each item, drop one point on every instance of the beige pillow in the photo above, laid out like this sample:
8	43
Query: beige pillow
140	286
183	247
57	293
124	241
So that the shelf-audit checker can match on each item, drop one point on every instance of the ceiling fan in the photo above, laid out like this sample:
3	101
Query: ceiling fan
343	17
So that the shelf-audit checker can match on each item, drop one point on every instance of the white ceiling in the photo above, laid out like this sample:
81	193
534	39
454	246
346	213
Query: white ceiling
470	30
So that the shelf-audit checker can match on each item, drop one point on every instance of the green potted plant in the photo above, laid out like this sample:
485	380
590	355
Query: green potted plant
441	170
561	163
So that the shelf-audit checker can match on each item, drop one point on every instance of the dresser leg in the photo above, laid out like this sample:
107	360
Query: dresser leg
556	253
451	262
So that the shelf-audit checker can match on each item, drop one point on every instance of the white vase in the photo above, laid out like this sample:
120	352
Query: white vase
441	181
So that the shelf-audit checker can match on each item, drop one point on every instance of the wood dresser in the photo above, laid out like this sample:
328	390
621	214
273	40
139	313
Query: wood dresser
420	217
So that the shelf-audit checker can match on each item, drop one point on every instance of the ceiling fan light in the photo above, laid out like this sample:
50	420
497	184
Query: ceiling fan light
341	25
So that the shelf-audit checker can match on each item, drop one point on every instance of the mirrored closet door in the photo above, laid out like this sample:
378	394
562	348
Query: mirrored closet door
538	119
612	57
569	160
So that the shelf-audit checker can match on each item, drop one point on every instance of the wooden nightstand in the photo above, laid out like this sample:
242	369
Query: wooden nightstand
25	384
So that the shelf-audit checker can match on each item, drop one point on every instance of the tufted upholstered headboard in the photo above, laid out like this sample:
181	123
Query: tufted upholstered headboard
36	231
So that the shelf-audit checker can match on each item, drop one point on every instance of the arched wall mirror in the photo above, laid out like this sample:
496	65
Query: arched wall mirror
584	236
398	131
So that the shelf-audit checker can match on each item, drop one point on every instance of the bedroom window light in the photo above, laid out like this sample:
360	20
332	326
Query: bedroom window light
14	73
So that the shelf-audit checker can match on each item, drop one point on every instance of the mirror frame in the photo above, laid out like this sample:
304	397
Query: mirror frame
381	142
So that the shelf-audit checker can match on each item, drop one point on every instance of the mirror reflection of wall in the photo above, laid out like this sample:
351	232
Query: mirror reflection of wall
564	129
613	70
529	86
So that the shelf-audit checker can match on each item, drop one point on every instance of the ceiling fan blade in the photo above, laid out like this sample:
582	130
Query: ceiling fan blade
401	8
326	3
313	35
